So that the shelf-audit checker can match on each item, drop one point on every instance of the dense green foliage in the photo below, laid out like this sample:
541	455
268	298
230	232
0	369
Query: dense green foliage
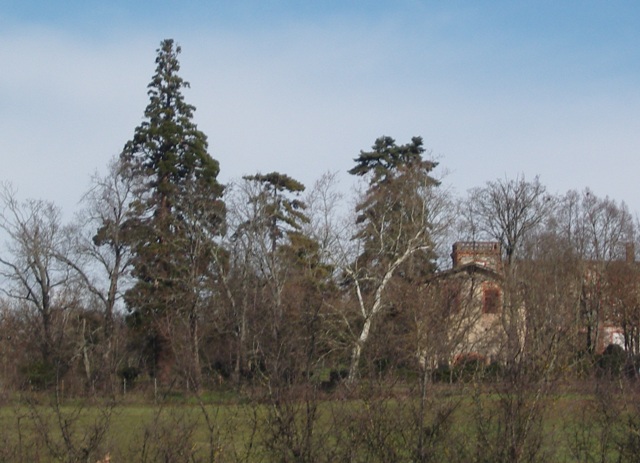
280	214
178	210
394	212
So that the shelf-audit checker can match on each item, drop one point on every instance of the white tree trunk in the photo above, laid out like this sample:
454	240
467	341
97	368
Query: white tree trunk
368	313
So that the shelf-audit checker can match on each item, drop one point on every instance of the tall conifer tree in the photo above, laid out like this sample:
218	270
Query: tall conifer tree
393	227
178	211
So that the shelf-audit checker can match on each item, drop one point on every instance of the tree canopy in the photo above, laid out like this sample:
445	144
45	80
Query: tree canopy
393	226
178	209
393	214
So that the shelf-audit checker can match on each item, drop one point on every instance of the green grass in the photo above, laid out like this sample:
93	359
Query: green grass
575	426
36	431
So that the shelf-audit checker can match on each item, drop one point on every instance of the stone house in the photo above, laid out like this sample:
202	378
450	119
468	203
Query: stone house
479	324
471	297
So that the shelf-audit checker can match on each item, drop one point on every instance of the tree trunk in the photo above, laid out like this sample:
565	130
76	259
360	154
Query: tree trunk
357	350
195	352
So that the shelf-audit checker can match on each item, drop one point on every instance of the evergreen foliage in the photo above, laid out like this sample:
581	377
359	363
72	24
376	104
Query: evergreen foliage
178	210
394	211
281	214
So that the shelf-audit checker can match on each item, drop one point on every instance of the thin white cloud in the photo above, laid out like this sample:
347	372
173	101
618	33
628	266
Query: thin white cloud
304	98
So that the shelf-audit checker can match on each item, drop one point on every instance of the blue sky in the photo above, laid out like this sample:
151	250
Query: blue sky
496	89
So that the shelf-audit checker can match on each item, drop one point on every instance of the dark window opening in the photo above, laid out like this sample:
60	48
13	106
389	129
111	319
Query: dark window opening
491	302
452	298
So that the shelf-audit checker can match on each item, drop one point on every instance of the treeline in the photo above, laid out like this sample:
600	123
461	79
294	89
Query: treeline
168	277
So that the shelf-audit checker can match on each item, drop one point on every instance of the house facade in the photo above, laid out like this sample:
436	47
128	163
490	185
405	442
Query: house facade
471	296
482	323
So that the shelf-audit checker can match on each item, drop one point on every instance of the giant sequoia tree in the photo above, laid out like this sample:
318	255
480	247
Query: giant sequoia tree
176	216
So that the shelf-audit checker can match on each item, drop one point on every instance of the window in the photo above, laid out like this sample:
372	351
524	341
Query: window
448	296
452	298
491	299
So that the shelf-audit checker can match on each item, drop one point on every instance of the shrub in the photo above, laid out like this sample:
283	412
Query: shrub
39	375
612	361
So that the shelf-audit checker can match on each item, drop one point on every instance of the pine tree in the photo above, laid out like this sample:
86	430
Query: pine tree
395	208
393	227
177	213
282	215
274	228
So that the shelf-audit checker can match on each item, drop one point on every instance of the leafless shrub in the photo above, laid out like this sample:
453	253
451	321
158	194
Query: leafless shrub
391	423
607	428
72	433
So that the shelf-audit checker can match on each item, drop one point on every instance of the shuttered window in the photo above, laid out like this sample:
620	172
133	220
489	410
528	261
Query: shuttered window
491	299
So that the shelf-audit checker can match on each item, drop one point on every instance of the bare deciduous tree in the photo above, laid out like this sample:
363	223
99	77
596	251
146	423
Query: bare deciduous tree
598	232
31	265
508	210
97	250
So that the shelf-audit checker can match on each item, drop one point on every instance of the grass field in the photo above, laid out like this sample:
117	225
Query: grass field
461	423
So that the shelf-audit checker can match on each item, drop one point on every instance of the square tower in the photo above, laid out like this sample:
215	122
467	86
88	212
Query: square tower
483	253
